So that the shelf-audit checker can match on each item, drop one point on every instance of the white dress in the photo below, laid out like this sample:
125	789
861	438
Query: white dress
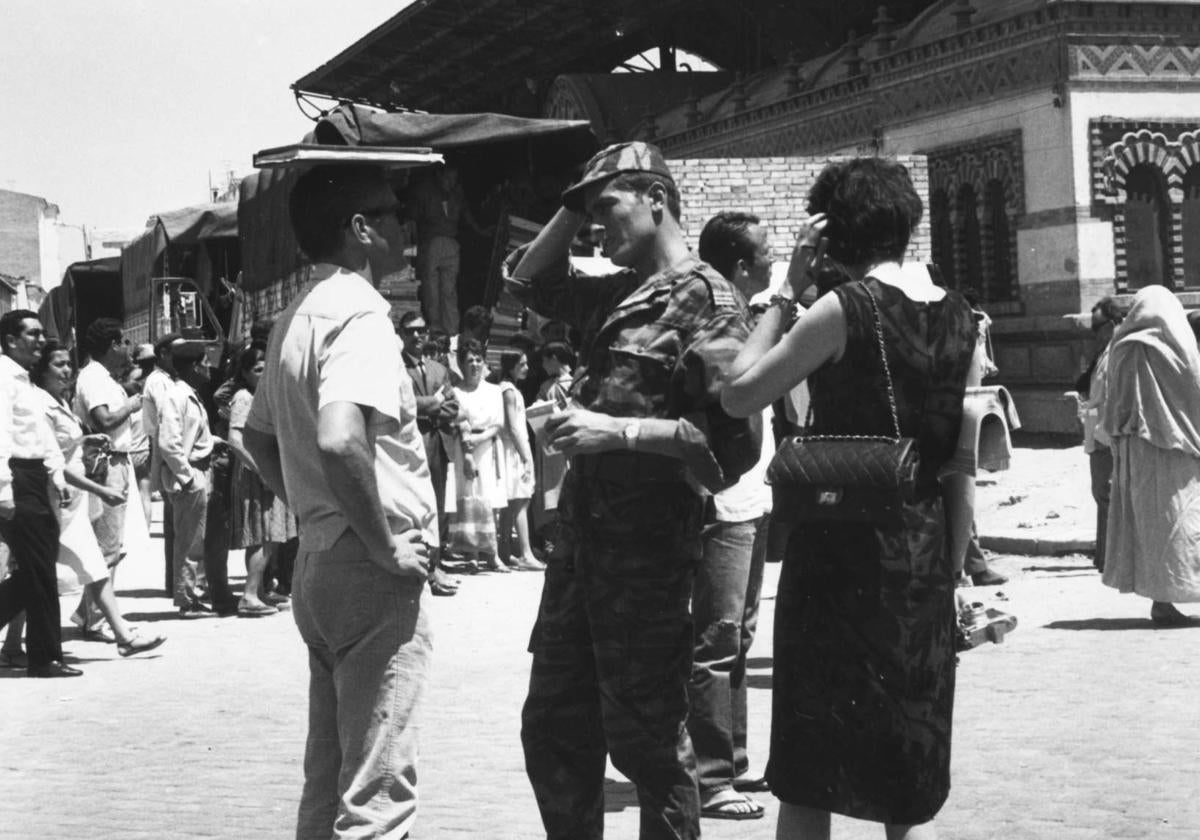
518	481
483	408
79	559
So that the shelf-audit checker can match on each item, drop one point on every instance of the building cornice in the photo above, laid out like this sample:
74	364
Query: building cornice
1051	48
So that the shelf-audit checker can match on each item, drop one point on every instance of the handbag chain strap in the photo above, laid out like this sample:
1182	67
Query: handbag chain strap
887	375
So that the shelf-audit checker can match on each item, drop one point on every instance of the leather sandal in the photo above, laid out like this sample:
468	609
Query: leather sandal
137	643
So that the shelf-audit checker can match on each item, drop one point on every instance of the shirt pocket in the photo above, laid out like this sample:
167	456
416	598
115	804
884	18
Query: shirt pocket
638	381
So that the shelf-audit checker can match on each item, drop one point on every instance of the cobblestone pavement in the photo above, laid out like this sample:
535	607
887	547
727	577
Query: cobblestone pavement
1084	724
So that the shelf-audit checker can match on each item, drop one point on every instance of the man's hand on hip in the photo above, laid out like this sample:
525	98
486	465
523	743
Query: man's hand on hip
409	557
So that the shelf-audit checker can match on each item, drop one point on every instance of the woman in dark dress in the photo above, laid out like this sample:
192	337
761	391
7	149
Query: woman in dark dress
865	616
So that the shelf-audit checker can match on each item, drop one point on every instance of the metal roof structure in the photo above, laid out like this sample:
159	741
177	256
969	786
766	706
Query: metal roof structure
477	55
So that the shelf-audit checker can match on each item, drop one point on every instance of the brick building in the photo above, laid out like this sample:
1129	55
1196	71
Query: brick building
34	244
1062	137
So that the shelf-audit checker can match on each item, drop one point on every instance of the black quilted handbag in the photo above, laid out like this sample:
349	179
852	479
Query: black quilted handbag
846	478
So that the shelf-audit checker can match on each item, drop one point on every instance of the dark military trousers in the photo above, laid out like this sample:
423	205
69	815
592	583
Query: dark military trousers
612	652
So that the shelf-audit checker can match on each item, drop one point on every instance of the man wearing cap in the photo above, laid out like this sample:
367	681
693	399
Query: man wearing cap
612	644
333	430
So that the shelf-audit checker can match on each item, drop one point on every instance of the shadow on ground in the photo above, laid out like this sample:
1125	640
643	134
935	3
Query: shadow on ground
619	795
141	593
1062	571
1102	624
169	615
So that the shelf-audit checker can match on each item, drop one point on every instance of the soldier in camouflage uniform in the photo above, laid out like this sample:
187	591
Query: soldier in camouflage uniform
646	434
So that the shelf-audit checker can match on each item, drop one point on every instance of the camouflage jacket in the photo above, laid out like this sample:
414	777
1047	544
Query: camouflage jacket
657	349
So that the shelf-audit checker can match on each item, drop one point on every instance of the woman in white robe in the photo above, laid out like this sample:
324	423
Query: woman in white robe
1152	413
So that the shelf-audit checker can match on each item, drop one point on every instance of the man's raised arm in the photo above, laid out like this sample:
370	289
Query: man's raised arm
548	251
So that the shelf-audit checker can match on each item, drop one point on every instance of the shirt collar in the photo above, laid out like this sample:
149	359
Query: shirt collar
12	368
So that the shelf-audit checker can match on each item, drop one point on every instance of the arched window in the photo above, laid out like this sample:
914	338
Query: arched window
970	256
1147	228
998	276
941	230
1191	228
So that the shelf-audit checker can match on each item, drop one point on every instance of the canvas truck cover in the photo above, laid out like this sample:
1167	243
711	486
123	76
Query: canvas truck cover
187	226
268	247
55	312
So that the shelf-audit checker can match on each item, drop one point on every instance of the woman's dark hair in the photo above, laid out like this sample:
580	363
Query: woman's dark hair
42	365
509	360
559	350
247	359
469	347
872	208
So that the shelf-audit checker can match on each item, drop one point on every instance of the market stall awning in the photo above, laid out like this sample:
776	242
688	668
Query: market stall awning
450	55
268	248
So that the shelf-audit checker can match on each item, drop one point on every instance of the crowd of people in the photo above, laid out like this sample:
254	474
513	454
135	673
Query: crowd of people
621	453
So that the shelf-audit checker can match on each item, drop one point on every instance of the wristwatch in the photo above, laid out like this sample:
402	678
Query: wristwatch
630	434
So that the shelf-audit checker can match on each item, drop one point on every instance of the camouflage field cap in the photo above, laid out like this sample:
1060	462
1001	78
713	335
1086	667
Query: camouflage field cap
635	156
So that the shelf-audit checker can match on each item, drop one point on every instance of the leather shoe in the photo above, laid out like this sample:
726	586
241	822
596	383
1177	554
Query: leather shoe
53	669
14	659
988	578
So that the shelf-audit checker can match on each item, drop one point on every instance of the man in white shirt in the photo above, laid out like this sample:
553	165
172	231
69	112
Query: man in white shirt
30	462
102	404
725	595
186	446
158	383
333	430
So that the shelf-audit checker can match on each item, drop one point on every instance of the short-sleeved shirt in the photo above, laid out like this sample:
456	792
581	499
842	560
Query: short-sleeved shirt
335	343
95	388
158	383
657	348
239	408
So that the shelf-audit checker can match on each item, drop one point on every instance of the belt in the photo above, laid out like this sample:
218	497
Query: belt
114	455
629	467
26	463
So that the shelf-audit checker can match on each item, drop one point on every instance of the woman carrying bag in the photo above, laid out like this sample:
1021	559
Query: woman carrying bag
865	631
474	490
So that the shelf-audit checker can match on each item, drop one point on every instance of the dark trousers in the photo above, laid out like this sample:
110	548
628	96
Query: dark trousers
32	538
612	652
435	455
1101	460
168	523
218	534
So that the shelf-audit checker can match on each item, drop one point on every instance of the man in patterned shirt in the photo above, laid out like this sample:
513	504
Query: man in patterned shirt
647	437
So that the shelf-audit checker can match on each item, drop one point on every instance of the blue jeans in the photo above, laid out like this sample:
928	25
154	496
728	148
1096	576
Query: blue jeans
368	658
725	615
